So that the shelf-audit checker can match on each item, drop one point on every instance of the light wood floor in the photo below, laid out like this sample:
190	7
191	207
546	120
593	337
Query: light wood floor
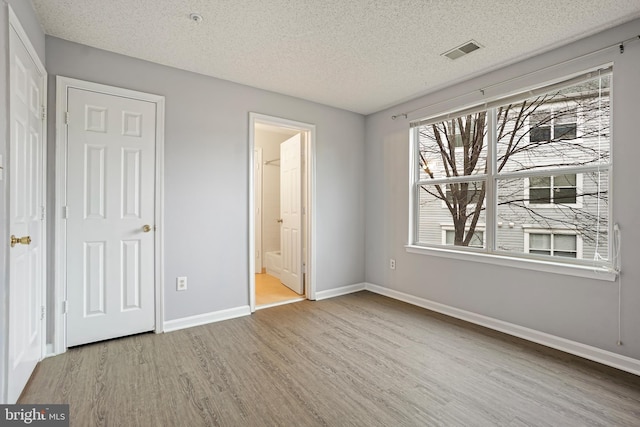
269	290
356	360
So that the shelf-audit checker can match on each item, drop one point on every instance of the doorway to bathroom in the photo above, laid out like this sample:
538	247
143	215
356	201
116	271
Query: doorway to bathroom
281	211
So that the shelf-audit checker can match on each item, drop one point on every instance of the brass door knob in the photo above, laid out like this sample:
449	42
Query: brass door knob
26	240
146	228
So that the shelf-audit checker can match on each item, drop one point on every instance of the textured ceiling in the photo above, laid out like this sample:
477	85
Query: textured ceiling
360	55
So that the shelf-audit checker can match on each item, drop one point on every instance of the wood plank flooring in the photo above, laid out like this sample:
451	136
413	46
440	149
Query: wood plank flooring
269	290
356	360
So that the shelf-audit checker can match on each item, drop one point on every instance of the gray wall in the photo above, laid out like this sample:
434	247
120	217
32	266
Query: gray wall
29	21
577	309
206	175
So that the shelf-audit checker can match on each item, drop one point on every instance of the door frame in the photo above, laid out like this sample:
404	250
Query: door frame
309	187
14	23
60	260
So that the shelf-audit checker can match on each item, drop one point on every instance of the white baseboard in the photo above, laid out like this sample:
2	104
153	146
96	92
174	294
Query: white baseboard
203	319
336	292
605	357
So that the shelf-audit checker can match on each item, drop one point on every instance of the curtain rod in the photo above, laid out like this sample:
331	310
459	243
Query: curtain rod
619	45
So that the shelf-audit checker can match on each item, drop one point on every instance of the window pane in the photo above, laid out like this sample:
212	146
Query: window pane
539	241
455	147
568	127
464	192
564	180
566	254
450	234
564	195
565	131
434	212
540	195
477	240
589	218
565	116
538	134
538	252
540	181
564	242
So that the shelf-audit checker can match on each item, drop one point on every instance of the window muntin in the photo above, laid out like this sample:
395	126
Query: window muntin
537	180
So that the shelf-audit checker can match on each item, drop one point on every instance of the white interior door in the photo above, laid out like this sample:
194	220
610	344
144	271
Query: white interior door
26	216
291	213
110	214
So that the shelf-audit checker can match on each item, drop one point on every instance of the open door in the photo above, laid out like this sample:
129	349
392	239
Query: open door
291	213
26	213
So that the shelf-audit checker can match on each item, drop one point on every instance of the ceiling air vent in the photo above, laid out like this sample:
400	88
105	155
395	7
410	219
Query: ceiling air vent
462	50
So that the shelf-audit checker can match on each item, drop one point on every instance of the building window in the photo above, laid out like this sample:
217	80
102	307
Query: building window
557	189
552	244
553	124
540	161
476	241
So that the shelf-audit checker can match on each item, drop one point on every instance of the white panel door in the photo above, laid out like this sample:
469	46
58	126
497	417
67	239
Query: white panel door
291	213
110	214
26	215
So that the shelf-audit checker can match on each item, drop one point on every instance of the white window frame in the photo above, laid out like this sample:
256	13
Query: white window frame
594	269
529	229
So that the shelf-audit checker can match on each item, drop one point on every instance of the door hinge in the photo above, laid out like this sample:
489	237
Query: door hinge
42	213
65	212
65	307
66	117
42	311
44	112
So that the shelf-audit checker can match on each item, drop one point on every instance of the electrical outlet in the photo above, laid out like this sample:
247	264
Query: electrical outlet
392	264
181	284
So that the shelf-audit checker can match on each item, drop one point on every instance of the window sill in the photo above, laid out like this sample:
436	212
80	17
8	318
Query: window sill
589	272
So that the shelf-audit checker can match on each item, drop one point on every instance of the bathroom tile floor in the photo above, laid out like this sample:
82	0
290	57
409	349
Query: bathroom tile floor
269	290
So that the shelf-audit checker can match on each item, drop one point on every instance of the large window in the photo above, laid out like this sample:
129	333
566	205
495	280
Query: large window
539	161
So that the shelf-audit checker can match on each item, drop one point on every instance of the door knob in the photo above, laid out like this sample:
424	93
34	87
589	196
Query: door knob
26	240
146	228
279	220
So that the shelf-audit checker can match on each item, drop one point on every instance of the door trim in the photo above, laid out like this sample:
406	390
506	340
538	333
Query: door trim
60	261
14	23
309	186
